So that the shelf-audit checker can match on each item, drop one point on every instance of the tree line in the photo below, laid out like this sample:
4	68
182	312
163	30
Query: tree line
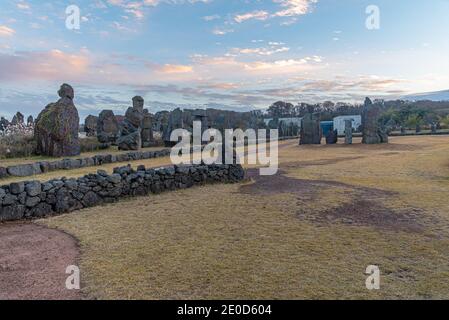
397	113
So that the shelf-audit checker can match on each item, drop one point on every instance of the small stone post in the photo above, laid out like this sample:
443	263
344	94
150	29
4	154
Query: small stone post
348	131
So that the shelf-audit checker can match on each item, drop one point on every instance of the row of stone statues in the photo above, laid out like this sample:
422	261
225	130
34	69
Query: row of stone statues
18	119
131	132
373	132
57	127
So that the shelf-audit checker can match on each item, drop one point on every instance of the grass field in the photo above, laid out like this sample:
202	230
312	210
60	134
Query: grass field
308	232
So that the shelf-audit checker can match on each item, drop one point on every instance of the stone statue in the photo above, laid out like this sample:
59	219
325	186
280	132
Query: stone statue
348	131
107	127
373	133
311	132
138	103
175	121
30	121
332	137
433	128
18	119
130	137
57	126
90	126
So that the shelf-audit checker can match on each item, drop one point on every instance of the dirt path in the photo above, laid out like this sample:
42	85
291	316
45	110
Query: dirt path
33	260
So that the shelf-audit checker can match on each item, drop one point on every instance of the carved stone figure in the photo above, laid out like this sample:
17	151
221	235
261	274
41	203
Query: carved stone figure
57	126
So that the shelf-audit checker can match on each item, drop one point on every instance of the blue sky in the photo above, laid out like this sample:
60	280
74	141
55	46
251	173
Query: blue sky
236	53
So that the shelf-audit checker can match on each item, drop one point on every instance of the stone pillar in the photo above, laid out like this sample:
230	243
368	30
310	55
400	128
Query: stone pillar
175	121
90	126
130	136
332	137
373	132
138	103
311	132
433	128
147	129
201	116
18	119
30	121
107	127
403	131
223	150
4	123
348	131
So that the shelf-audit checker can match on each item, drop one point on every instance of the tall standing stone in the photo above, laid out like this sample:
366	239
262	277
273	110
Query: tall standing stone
107	127
57	126
201	116
18	119
30	121
433	128
90	126
311	132
138	103
373	133
4	123
332	137
348	131
175	121
147	122
147	129
130	130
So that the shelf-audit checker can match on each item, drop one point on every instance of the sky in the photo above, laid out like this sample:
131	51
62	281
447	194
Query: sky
235	54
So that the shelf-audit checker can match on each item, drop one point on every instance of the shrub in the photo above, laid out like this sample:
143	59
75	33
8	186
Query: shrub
15	146
17	141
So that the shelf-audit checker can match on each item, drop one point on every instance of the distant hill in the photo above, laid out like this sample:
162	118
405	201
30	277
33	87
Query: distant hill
432	96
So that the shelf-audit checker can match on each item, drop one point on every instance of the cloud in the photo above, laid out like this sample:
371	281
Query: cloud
6	31
288	8
137	8
171	68
294	7
273	49
50	65
257	15
251	77
222	32
23	6
120	27
211	18
337	89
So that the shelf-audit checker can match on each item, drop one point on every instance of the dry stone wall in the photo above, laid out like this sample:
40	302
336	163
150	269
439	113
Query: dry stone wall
31	169
33	199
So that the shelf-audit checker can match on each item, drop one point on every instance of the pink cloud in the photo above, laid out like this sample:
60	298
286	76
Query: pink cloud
6	31
49	65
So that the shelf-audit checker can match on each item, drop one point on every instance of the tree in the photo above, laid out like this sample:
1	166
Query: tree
414	121
444	121
280	109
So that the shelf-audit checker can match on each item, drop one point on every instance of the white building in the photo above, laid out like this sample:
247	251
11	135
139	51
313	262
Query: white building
339	123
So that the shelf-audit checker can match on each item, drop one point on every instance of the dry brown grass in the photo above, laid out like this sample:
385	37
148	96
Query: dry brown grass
219	242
